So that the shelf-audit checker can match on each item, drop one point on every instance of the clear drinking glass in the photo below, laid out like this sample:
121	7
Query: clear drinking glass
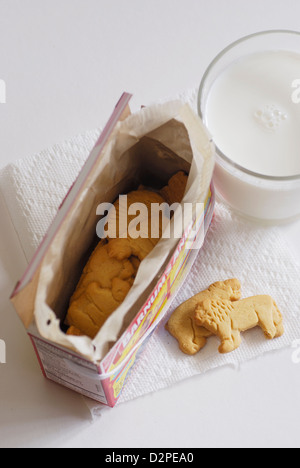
265	198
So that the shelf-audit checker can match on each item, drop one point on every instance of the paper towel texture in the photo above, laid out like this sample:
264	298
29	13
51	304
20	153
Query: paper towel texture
34	187
33	190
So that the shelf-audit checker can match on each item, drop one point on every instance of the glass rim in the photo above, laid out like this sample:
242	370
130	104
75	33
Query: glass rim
200	99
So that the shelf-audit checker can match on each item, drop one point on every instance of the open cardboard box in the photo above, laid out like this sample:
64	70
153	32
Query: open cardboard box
88	367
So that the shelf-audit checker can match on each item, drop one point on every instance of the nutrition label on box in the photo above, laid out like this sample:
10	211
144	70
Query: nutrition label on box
71	371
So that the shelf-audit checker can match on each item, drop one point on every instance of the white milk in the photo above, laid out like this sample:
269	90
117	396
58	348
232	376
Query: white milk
253	113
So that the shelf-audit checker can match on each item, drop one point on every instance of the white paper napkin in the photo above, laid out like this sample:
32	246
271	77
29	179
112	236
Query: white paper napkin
33	189
263	263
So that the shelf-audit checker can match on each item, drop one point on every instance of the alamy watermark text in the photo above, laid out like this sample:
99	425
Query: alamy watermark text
141	221
296	92
2	92
2	352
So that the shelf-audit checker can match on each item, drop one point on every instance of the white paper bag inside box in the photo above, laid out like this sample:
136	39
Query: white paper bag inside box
146	148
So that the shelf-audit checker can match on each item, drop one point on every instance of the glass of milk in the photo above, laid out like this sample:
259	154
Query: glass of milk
249	99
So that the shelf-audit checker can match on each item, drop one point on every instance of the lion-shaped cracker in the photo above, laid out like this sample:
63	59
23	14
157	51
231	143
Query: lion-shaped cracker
103	286
228	319
181	325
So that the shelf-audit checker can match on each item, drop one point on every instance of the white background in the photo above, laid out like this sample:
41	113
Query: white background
66	63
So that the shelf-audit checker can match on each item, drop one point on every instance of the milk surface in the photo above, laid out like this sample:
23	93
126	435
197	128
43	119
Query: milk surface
252	116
